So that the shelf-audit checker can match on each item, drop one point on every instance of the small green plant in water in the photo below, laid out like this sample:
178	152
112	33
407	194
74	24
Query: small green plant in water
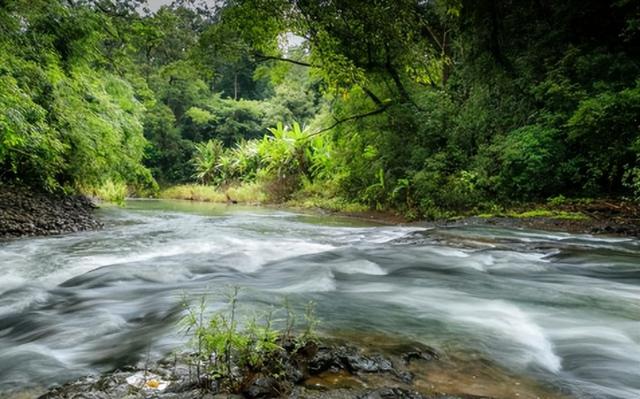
228	351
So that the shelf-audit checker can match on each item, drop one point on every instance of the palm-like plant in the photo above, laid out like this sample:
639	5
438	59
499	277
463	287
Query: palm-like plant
206	160
319	153
287	154
246	159
283	152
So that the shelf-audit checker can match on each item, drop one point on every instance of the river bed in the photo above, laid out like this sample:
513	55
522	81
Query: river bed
555	310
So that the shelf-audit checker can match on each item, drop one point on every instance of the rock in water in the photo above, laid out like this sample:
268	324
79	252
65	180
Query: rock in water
261	386
392	393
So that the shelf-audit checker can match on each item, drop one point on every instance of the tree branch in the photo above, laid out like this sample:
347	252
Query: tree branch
372	96
377	111
274	58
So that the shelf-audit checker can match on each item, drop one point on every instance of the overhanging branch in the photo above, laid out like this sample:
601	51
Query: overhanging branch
377	111
372	96
263	57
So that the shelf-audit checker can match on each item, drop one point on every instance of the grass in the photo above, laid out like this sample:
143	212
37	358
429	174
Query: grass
231	351
248	193
110	191
255	193
194	192
545	213
537	213
335	204
245	193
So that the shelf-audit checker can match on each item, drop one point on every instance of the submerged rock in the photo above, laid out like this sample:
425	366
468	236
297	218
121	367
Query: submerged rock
419	354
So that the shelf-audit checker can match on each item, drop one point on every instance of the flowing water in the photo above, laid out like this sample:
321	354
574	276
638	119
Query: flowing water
560	309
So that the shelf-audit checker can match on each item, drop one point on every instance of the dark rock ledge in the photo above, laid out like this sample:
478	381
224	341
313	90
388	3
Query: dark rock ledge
24	212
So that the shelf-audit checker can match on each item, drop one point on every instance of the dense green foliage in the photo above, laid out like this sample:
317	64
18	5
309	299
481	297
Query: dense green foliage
427	107
284	162
65	121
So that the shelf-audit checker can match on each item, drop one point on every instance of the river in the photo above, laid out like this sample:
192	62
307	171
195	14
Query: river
559	309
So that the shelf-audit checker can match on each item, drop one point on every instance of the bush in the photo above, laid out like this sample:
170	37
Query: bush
438	194
603	132
530	160
206	160
632	182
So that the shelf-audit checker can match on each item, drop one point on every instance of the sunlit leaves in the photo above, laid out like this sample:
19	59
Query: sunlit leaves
199	115
28	146
64	123
207	160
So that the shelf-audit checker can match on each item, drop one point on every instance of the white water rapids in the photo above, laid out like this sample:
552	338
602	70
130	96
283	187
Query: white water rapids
562	309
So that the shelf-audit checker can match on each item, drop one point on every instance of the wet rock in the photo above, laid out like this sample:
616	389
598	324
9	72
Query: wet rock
294	372
360	363
405	376
348	358
183	386
419	354
323	360
195	394
333	372
392	393
261	386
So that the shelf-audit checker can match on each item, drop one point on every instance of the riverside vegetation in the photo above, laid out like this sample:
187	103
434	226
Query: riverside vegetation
271	356
256	359
234	355
430	109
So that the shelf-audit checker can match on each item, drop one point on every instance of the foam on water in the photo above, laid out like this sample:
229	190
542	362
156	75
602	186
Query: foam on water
361	266
10	281
510	322
499	324
558	307
388	234
322	281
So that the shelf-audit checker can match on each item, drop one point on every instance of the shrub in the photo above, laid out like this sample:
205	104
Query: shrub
530	161
206	160
632	182
603	132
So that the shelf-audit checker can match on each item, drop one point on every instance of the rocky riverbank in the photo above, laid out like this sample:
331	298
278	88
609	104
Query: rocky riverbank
609	217
319	371
327	370
24	212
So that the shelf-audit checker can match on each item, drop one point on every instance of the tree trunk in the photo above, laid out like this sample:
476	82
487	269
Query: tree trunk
235	86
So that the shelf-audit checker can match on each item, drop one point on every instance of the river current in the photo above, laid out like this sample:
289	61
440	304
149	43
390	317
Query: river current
558	308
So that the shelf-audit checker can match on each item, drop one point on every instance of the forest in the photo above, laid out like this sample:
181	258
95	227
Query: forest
320	199
428	108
